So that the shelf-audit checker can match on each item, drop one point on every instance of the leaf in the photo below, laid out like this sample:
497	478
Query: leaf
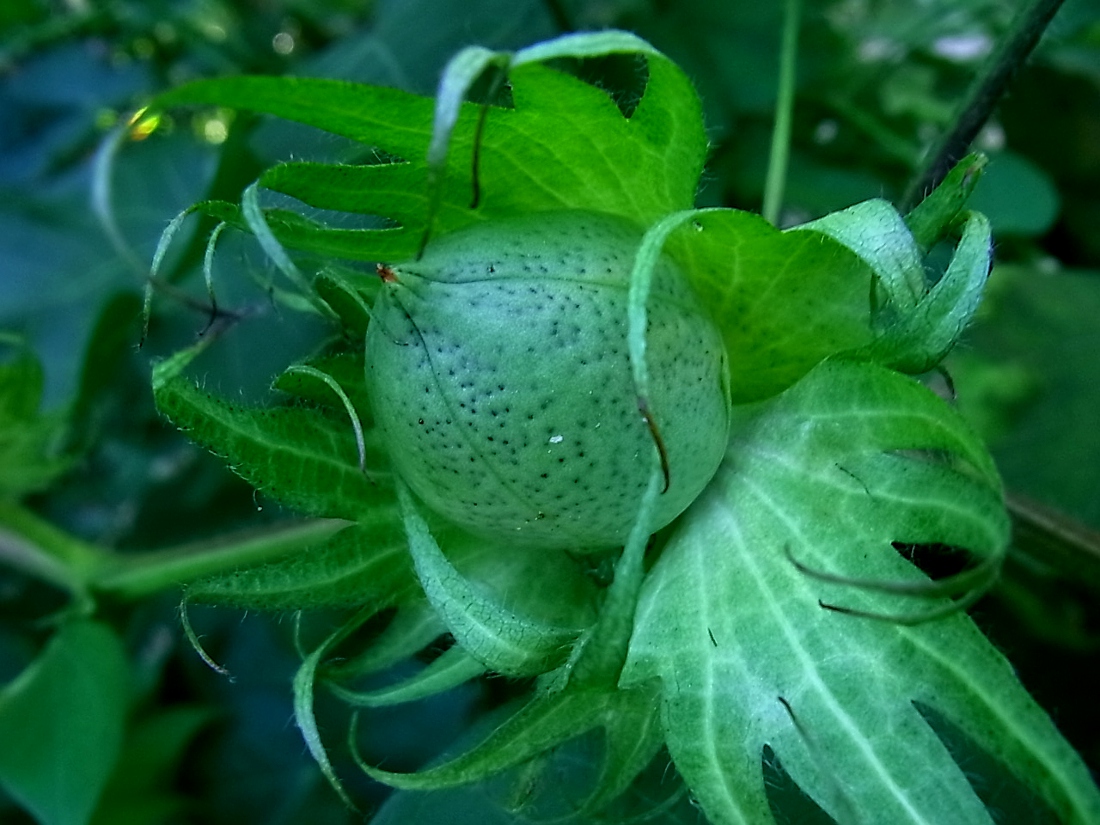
111	338
61	722
304	717
640	167
877	234
298	455
1018	197
453	667
921	338
930	219
140	791
30	441
545	722
503	638
413	627
783	300
747	656
918	326
364	563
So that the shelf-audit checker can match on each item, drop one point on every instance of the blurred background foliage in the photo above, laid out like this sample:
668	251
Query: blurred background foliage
878	81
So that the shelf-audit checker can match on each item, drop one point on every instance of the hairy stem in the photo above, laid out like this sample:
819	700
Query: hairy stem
982	97
134	577
784	107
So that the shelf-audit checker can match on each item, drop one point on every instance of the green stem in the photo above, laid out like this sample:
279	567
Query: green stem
134	577
784	109
982	97
31	544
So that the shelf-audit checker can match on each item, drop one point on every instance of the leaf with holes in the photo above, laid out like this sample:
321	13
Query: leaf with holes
819	487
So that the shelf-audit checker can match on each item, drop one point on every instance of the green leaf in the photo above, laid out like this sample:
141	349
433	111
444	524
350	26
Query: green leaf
361	564
917	326
61	722
545	722
112	338
300	456
641	167
921	338
930	219
304	684
1018	197
30	441
414	626
343	366
140	791
450	670
877	234
504	638
783	300
349	295
833	472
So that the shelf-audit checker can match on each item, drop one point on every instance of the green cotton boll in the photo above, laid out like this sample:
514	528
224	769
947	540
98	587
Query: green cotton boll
499	374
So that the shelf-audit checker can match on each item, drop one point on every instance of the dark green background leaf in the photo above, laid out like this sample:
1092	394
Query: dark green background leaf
61	722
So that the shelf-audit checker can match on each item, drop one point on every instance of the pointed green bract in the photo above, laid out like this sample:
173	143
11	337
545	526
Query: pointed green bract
930	219
296	455
304	686
545	722
918	324
497	635
414	626
363	563
453	667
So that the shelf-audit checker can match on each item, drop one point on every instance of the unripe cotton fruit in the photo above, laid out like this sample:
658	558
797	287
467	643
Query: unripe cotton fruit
499	373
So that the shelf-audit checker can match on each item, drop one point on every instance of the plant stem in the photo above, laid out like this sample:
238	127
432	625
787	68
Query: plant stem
31	544
982	97
134	577
784	108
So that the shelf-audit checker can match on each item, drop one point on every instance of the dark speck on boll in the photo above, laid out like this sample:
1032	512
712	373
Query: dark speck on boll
517	354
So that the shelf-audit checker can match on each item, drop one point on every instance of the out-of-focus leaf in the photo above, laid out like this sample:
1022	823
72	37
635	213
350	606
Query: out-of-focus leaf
1017	196
1044	325
61	722
140	790
30	441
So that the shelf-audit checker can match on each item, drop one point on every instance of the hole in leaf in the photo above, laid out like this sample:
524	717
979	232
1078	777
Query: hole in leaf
937	561
1010	801
790	805
622	76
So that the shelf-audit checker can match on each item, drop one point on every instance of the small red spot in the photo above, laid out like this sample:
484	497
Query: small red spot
386	274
